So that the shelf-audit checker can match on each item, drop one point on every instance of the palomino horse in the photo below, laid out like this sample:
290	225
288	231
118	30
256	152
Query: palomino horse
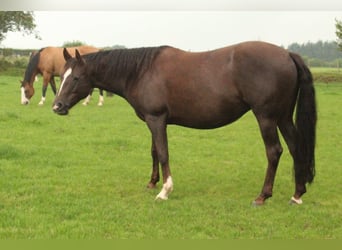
207	90
48	62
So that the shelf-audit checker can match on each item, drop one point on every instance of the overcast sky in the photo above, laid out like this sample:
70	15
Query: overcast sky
189	29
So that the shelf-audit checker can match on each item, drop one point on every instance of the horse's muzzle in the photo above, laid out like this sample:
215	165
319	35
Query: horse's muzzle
60	108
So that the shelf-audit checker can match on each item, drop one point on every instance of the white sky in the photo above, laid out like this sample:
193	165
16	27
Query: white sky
189	28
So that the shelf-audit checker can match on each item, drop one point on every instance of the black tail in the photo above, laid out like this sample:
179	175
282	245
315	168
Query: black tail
306	117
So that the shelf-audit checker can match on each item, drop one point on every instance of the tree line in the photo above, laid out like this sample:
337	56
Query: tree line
315	54
319	54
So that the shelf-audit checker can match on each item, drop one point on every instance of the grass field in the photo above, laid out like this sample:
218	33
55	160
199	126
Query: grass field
84	176
327	75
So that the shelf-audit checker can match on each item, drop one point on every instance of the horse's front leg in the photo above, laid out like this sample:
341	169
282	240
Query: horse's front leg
53	85
155	167
46	79
157	126
101	99
42	100
87	100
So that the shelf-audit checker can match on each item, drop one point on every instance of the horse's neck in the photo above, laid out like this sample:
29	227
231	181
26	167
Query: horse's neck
32	69
118	72
31	78
116	86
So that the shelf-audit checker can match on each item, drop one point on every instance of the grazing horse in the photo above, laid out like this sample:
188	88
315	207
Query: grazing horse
207	90
48	62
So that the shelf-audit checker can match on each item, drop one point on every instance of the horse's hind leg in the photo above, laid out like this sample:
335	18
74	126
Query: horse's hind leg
288	130
268	128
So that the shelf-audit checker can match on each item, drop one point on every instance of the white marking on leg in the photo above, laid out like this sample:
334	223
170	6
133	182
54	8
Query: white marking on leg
65	76
296	201
42	101
101	101
87	100
24	100
166	190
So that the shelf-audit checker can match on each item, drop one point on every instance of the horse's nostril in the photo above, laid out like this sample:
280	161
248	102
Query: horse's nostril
57	106
60	108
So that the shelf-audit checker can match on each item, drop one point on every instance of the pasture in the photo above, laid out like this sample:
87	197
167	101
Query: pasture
84	176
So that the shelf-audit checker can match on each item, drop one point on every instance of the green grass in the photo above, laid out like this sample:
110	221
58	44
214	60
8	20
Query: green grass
84	176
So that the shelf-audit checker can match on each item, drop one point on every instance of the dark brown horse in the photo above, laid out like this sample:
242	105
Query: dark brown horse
207	90
48	62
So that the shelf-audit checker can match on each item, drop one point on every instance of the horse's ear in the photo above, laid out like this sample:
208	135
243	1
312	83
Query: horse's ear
66	54
79	57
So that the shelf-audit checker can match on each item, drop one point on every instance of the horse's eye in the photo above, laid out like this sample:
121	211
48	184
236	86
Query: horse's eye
76	78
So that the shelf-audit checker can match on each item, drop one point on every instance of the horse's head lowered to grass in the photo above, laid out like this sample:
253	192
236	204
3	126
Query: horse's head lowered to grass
27	91
49	63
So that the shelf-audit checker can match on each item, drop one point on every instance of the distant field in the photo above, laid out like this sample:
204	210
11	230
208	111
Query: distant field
327	75
83	176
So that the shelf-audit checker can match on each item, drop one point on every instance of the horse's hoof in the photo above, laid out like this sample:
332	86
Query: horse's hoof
295	201
151	185
257	203
161	198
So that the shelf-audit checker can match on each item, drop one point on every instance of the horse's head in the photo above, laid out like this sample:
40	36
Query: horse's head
75	85
27	91
26	86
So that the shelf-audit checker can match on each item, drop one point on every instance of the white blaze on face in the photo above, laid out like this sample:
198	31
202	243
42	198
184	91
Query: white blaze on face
65	76
24	100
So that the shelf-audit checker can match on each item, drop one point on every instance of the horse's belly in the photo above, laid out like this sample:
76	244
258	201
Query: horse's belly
207	118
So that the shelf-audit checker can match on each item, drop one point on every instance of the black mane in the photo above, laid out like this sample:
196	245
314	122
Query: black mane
32	66
127	64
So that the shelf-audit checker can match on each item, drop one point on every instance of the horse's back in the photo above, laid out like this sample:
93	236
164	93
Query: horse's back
214	88
52	60
194	88
83	50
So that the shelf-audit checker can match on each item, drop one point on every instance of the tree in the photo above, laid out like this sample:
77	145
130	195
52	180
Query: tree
22	21
338	32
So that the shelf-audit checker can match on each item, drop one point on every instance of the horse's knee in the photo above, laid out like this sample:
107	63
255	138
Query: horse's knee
279	150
